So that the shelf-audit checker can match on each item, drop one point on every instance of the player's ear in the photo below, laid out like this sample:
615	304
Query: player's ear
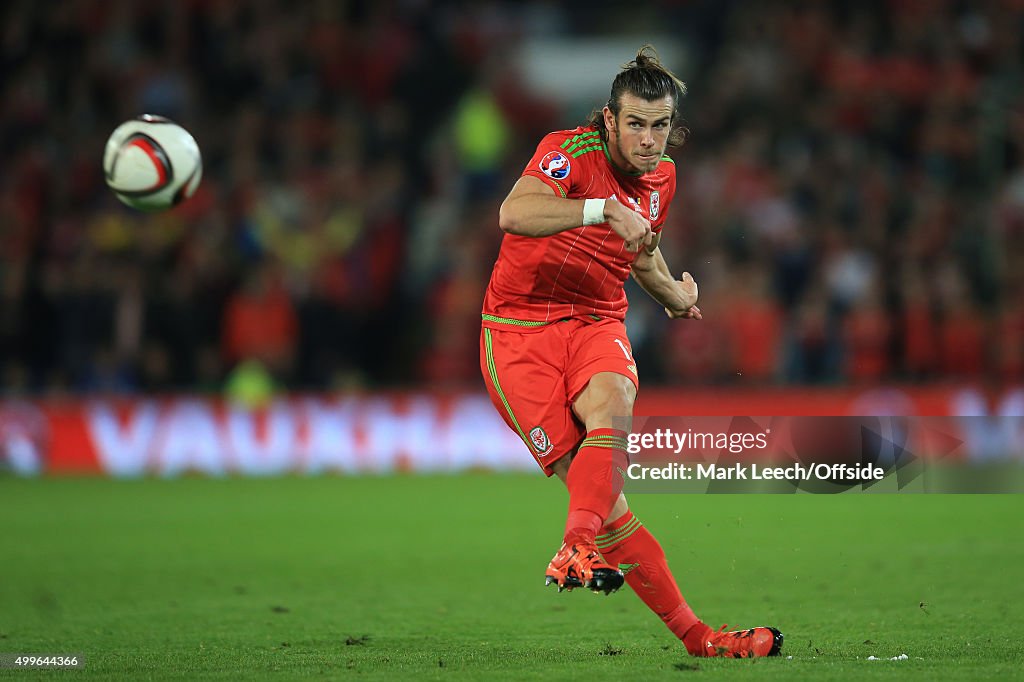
609	118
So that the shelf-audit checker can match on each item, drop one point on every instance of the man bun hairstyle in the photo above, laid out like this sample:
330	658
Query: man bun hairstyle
646	78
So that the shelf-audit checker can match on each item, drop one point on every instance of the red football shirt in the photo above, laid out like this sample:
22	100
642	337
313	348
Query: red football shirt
582	271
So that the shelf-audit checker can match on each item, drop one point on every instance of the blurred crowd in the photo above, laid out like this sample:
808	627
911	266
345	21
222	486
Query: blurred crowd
851	195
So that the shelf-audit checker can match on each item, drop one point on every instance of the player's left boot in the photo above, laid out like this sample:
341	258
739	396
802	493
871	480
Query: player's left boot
760	641
578	563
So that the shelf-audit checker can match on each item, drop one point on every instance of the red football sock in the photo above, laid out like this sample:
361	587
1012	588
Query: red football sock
629	546
595	480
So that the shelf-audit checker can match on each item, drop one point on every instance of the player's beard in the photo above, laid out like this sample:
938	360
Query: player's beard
648	164
634	161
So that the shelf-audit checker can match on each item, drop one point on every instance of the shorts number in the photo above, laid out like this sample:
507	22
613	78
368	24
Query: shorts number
625	351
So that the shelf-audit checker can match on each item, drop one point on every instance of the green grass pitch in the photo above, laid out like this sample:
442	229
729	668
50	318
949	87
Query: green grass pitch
441	577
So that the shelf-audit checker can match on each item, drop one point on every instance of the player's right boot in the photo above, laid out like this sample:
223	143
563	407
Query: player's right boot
760	641
579	564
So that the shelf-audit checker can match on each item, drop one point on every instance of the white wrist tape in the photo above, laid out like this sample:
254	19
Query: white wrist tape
593	211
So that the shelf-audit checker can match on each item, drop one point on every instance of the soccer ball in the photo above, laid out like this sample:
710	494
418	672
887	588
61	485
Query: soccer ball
151	163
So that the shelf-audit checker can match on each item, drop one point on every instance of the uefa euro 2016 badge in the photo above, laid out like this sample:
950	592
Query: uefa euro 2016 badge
540	441
655	204
555	165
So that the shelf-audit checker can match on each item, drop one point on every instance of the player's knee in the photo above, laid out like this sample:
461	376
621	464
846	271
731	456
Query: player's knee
607	398
619	398
620	390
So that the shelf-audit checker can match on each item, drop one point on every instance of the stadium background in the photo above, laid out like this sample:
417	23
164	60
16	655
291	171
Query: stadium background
851	201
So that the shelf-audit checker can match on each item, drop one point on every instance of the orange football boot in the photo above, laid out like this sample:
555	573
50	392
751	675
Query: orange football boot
579	564
759	641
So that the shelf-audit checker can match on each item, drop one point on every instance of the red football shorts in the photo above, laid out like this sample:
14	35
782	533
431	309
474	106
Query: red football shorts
534	377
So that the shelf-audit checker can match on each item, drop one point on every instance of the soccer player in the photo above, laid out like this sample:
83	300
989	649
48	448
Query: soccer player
587	213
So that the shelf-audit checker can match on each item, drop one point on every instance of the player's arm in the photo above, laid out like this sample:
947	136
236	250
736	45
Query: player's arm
532	209
679	297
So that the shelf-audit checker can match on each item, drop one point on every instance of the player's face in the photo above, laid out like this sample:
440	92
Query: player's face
638	136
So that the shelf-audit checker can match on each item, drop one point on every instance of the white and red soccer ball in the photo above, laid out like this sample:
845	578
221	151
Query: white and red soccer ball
151	163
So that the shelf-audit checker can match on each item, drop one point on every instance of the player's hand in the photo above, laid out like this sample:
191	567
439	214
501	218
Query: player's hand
692	314
634	229
687	307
